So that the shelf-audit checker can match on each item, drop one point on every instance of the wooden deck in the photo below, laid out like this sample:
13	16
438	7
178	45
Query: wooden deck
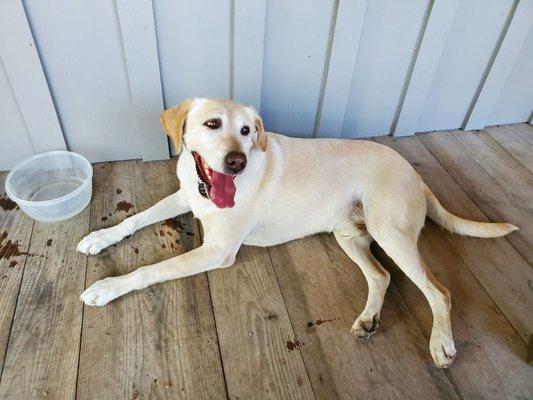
275	325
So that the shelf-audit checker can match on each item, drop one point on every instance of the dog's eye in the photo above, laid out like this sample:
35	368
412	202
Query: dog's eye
245	130
213	123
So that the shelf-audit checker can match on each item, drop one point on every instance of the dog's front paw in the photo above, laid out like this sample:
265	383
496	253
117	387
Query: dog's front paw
96	241
442	349
102	292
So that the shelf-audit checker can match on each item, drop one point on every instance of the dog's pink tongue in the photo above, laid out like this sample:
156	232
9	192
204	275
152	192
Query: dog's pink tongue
222	191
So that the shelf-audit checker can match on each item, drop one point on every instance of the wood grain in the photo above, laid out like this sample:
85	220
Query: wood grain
517	139
255	331
42	354
320	283
18	228
496	264
499	185
154	342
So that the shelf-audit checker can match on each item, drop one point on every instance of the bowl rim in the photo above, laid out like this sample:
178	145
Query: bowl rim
32	203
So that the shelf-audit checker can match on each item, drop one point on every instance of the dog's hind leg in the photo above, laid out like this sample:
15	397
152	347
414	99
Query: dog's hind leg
402	248
378	278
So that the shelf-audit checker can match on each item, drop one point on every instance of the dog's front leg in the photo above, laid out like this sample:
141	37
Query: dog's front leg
169	207
219	247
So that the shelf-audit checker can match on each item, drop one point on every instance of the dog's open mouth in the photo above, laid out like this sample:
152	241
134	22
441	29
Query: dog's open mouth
213	185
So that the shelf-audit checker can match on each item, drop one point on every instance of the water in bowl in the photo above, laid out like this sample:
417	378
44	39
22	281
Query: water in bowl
55	189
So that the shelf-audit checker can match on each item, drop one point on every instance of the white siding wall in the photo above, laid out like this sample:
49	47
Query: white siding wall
93	76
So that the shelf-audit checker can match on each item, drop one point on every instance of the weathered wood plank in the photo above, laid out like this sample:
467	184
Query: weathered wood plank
15	227
498	184
496	264
490	361
254	331
153	342
320	283
517	139
42	354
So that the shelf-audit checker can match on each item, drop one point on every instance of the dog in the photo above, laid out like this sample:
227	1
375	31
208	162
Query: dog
248	186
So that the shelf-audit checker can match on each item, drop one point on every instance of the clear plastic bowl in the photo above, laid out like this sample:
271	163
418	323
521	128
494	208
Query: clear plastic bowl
52	186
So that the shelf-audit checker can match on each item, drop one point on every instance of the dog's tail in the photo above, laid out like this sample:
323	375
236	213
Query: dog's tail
462	226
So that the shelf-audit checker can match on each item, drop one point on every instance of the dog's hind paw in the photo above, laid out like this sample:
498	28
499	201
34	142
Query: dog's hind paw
365	326
442	350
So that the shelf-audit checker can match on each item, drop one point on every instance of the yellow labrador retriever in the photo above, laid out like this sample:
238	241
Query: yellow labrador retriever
257	188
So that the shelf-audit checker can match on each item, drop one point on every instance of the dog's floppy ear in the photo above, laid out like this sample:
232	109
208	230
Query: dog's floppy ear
174	120
260	130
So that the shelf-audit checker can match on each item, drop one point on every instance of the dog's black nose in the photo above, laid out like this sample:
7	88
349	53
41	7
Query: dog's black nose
235	161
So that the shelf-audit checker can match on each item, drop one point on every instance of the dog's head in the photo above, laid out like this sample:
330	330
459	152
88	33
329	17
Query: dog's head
220	135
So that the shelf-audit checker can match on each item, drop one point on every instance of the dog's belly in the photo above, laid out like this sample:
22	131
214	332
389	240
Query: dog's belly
289	222
270	235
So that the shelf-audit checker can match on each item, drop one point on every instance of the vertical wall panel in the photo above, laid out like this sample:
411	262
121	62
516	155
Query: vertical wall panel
27	81
194	48
507	95
330	68
473	39
388	46
16	143
81	50
136	19
346	39
296	48
515	100
248	46
511	48
438	27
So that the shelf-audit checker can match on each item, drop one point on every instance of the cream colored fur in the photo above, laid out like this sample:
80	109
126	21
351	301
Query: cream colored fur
359	190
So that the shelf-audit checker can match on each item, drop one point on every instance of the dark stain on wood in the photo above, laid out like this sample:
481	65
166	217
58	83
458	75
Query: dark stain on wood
12	264
119	190
103	219
49	243
7	204
318	322
124	206
9	248
174	224
294	345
